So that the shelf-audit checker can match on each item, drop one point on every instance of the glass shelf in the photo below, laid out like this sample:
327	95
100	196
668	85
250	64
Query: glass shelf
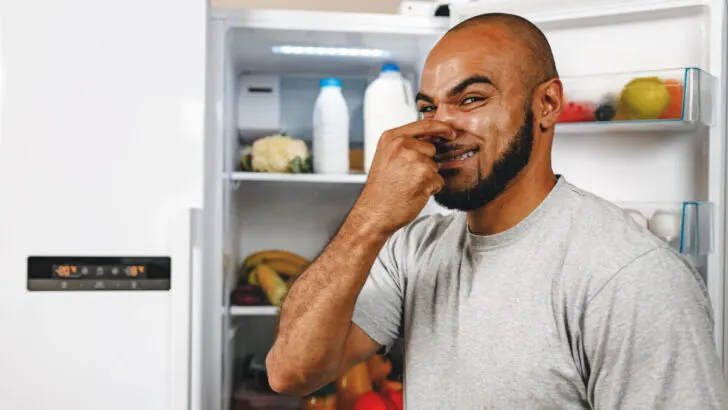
676	100
351	178
685	226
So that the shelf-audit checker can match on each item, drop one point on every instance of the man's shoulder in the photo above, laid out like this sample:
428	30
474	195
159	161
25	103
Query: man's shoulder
605	242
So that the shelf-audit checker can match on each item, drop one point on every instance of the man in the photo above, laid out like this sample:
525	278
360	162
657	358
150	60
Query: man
539	296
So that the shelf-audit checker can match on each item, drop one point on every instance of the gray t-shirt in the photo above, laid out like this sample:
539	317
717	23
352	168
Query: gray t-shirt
576	307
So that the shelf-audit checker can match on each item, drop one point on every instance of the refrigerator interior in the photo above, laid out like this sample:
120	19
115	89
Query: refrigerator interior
298	213
667	164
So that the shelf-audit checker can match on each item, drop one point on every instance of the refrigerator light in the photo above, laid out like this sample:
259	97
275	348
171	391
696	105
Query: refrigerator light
330	51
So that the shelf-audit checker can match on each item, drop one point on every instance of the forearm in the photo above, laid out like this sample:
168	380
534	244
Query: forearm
316	316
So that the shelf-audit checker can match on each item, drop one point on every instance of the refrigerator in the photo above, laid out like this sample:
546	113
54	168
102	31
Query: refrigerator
126	211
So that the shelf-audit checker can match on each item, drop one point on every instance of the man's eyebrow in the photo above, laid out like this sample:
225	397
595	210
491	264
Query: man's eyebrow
476	79
424	97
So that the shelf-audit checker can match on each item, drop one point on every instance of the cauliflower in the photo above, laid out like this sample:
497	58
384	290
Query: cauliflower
275	153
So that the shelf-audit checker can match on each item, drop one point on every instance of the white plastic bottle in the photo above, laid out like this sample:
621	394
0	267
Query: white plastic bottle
330	130
388	103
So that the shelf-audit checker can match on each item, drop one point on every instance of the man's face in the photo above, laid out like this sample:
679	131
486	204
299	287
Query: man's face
473	81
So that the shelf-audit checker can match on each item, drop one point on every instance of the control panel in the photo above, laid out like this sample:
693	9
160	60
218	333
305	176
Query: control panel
94	273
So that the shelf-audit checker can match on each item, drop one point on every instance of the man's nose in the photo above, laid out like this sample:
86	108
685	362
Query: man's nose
445	113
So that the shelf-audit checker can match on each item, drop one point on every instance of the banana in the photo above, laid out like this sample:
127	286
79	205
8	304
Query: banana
276	254
286	267
274	287
280	266
281	261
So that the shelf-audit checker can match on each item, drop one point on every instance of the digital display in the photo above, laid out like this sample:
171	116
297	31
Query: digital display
48	273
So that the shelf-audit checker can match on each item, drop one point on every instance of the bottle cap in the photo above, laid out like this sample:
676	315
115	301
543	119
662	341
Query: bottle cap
390	67
330	82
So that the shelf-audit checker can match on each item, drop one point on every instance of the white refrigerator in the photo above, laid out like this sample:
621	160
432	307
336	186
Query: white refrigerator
124	213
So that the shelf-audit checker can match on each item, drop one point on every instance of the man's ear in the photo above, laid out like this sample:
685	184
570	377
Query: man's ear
549	100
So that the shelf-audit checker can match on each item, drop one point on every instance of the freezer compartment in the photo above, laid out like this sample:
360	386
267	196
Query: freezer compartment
685	226
675	100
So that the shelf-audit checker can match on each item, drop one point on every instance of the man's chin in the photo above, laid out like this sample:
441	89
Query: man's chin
458	199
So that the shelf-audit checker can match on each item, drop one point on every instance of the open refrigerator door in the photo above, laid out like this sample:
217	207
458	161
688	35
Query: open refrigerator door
644	125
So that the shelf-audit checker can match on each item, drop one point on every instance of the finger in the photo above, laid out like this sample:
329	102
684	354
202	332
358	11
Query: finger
422	147
437	183
424	129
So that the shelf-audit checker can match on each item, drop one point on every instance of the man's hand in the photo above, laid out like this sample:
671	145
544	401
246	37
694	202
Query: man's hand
403	176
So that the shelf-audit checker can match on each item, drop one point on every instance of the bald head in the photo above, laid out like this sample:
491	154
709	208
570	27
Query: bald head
539	60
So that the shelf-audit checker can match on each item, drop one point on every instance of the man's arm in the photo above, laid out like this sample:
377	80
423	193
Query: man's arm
317	341
648	338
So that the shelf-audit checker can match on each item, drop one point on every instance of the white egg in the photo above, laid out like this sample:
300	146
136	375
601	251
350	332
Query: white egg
666	224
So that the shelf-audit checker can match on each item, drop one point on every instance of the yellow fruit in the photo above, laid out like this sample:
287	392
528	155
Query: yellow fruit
253	279
266	256
280	266
286	267
645	98
274	287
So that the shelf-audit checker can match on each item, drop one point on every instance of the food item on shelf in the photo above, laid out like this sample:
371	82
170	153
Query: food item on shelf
396	396
374	401
353	384
582	111
277	153
645	98
286	266
271	255
283	262
666	225
271	272
605	111
379	368
390	385
674	110
273	285
248	295
323	399
393	390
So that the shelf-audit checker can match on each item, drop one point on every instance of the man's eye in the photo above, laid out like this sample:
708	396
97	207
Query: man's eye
427	108
471	100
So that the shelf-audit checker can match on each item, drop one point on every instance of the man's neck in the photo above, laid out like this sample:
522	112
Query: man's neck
522	196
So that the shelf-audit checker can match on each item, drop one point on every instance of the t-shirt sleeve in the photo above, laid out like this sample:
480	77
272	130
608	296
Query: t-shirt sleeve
378	310
648	338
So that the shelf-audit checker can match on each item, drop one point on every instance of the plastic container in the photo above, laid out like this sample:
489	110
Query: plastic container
388	103
330	130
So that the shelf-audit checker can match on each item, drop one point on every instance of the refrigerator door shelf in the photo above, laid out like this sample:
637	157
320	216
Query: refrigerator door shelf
664	101
686	226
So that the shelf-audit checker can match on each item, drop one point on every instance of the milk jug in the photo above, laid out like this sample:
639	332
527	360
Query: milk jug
388	103
330	130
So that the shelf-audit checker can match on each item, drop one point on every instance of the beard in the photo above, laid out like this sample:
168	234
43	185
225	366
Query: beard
505	169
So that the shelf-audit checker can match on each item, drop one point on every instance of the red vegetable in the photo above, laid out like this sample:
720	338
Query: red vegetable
393	390
374	401
397	398
577	112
